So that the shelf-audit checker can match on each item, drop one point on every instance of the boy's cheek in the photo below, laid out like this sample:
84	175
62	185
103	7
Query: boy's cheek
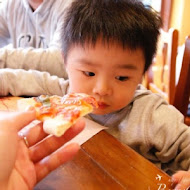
76	87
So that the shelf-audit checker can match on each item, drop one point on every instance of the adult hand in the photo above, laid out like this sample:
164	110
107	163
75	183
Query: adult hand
23	166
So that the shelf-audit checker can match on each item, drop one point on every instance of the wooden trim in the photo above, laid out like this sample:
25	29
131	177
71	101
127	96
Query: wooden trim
182	93
166	7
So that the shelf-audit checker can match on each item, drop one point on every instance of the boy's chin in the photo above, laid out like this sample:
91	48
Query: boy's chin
105	111
101	112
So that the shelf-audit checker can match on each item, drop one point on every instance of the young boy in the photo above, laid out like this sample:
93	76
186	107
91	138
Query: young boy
107	46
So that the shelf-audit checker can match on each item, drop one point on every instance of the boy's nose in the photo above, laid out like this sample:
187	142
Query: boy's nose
102	88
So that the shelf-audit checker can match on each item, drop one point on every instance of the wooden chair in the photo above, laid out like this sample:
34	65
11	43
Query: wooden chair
182	92
160	78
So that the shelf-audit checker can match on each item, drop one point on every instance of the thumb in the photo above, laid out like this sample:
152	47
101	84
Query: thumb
16	120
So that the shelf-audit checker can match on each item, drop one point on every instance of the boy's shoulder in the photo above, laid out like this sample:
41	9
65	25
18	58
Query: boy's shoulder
153	106
143	93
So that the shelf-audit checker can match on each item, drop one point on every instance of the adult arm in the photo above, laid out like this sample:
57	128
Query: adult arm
49	60
19	82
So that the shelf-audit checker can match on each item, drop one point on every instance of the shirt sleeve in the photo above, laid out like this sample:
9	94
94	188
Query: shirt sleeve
48	60
19	82
170	138
157	131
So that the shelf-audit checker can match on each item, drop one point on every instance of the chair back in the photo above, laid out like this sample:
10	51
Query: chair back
182	92
162	73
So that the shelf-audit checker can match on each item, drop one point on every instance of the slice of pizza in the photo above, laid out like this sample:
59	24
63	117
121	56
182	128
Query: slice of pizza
59	113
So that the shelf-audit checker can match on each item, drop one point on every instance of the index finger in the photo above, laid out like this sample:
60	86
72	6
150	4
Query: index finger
52	143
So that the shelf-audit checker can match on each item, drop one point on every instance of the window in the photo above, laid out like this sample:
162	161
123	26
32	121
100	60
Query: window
164	8
154	4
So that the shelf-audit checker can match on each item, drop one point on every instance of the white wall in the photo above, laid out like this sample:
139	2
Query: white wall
180	18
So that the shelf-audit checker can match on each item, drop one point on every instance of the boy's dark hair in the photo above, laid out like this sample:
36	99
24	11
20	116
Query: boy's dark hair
127	22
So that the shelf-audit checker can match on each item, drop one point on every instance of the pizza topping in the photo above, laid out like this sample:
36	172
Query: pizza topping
79	99
44	100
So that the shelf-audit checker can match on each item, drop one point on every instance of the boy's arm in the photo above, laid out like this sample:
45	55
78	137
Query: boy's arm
49	60
19	82
171	138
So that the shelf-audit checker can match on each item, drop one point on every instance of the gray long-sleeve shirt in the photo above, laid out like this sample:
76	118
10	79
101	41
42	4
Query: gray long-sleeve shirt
35	35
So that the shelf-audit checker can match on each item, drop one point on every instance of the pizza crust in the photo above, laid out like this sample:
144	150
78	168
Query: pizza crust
24	103
56	126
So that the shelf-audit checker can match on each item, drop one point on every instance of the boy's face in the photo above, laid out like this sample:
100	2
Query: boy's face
109	73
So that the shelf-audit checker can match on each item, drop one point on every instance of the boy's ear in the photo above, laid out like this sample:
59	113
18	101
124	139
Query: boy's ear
63	57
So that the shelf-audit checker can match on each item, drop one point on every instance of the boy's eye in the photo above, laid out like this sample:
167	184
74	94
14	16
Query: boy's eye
122	78
90	74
